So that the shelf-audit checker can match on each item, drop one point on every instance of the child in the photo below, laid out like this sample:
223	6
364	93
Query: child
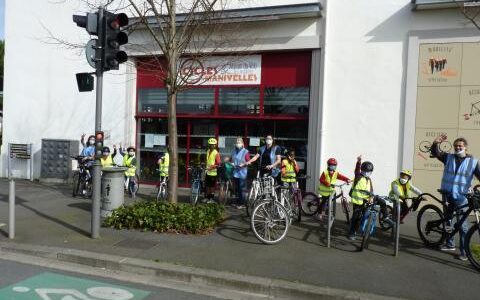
289	168
362	191
327	181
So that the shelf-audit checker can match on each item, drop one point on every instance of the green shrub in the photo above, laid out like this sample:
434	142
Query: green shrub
166	217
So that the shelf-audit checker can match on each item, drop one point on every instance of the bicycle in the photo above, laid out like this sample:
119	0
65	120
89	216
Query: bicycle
225	191
132	185
162	192
369	219
253	194
81	179
197	183
270	220
293	199
311	202
415	203
435	231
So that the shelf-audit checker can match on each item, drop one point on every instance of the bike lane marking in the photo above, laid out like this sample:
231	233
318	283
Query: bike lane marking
52	286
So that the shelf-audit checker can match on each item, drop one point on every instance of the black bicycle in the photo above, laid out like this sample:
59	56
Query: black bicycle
81	179
433	227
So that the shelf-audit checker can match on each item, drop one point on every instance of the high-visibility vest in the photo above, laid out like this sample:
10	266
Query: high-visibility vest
273	158
164	165
324	190
239	159
361	190
458	182
127	162
106	162
290	175
403	190
211	155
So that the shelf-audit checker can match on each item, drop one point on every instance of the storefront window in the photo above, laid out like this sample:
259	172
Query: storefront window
153	140
239	100
286	100
152	100
196	100
228	132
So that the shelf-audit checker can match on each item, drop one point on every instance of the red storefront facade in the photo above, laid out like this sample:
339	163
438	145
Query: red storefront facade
279	105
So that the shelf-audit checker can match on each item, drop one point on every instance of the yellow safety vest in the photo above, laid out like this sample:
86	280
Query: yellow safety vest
106	162
361	191
402	195
164	165
211	161
290	175
127	162
324	190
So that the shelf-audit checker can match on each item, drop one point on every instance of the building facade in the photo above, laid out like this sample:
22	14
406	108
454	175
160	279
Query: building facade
328	78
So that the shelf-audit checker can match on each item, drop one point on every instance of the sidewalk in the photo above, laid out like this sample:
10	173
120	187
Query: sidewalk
47	215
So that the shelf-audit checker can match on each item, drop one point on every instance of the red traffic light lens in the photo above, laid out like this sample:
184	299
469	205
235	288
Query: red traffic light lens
119	21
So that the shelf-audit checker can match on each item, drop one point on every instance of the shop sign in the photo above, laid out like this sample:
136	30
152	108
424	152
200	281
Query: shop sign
221	70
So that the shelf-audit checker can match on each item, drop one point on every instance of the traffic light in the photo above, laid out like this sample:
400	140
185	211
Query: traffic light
114	38
98	143
84	82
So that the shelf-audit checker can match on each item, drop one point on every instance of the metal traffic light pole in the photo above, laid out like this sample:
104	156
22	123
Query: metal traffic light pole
97	166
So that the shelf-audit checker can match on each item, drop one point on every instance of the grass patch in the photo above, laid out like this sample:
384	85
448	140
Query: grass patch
167	217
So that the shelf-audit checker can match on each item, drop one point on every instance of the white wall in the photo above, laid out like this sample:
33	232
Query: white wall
41	99
364	88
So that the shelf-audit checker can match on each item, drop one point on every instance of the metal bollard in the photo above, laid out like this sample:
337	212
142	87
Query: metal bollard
397	226
11	209
329	219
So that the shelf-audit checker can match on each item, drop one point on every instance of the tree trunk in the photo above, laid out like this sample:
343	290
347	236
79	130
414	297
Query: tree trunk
173	144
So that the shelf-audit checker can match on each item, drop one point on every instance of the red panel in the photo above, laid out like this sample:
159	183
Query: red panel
149	74
286	69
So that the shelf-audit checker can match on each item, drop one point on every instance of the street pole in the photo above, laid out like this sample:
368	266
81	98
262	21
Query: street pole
11	209
95	231
330	218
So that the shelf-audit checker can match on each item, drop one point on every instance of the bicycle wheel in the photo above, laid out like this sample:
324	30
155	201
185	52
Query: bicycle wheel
88	189
195	192
75	184
162	192
367	232
346	210
472	245
430	225
222	193
310	204
270	222
133	187
252	196
381	218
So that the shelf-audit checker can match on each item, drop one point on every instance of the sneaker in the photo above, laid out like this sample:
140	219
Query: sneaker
318	217
241	206
447	248
210	201
462	257
352	237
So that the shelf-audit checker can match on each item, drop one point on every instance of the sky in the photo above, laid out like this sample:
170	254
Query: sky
2	19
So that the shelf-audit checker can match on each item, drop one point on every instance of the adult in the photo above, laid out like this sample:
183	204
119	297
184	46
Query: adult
459	169
270	158
240	157
212	163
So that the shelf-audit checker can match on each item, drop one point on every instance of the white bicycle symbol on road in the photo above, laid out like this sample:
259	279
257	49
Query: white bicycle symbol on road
94	293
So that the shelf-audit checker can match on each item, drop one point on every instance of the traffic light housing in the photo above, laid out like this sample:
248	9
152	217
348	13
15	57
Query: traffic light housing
114	37
99	143
89	22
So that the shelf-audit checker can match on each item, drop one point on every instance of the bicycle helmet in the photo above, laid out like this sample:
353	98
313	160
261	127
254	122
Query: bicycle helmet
212	141
106	149
366	166
406	172
332	162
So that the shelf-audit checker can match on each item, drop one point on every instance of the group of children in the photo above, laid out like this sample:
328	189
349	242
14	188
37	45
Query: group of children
362	189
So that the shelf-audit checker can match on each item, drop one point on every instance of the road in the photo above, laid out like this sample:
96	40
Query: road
27	281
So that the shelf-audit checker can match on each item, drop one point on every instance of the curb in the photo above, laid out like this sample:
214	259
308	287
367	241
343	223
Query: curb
273	288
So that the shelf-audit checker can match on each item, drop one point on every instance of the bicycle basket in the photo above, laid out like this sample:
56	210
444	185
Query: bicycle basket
266	185
474	200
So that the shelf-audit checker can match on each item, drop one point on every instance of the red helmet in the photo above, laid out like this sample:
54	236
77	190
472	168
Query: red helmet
332	162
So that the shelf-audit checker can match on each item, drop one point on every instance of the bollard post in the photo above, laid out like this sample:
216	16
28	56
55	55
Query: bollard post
329	219
11	209
397	226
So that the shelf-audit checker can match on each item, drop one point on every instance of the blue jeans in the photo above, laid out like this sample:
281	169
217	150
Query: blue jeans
451	208
240	188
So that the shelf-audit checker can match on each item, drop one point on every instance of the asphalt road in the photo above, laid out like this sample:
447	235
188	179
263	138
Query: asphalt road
24	281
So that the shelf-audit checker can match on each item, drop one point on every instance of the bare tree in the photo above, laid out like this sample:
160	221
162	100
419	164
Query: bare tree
471	11
184	33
